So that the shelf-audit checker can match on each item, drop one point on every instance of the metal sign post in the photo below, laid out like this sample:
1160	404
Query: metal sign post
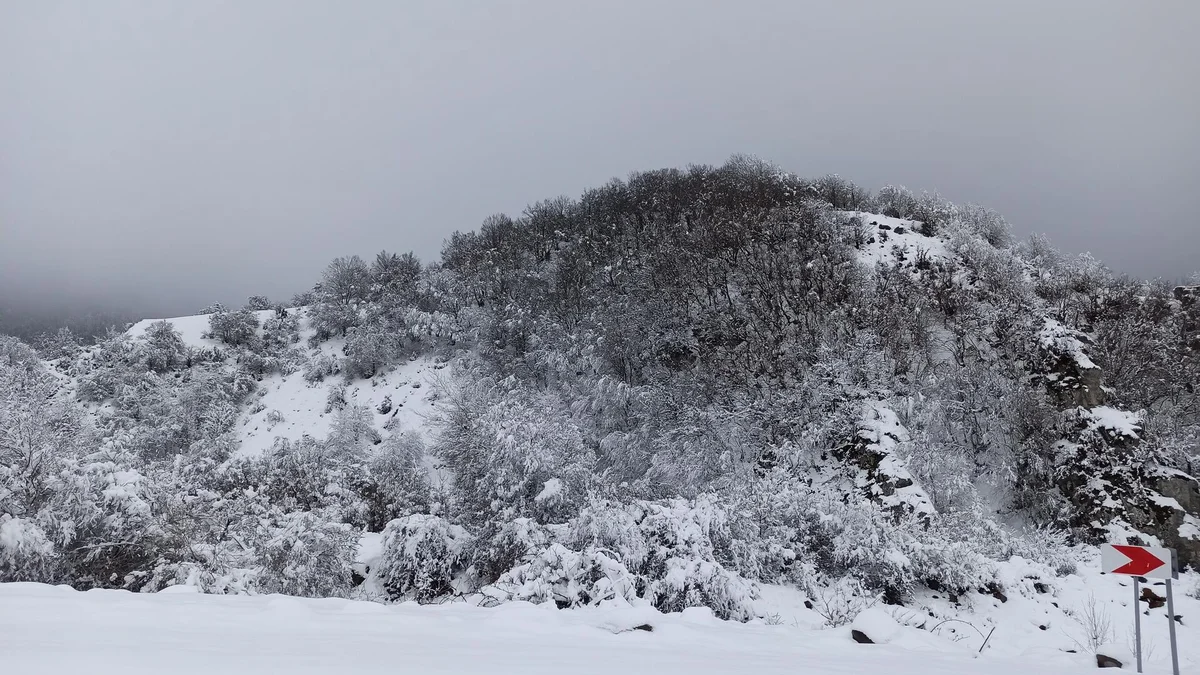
1137	622
1171	623
1152	562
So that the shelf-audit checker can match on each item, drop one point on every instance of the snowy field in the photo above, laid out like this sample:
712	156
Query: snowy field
45	630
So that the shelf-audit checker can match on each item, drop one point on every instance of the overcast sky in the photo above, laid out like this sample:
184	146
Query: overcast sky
166	154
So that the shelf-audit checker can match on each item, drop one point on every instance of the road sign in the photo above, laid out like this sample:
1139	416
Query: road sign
1151	562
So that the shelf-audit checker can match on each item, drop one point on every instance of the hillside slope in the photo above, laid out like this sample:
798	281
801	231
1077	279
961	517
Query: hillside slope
727	387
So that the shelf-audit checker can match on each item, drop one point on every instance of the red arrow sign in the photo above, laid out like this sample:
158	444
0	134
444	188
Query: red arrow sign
1141	560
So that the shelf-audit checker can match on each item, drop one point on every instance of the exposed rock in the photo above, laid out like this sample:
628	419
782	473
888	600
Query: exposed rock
1113	656
1175	513
1154	600
1067	370
993	589
883	476
860	637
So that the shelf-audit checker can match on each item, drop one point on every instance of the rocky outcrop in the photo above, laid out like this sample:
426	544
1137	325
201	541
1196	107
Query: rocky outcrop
1069	374
1113	479
881	473
1176	509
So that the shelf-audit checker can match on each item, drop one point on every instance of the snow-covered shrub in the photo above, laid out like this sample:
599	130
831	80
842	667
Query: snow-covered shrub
506	451
421	556
329	319
841	193
234	328
934	212
320	367
400	483
510	545
987	224
568	579
369	348
335	398
26	553
839	602
304	475
701	583
895	201
256	303
164	347
352	430
304	554
675	548
204	578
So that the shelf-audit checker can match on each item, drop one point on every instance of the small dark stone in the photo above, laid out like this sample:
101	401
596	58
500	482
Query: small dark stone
861	637
1041	587
808	604
900	230
884	227
1043	627
645	626
1103	661
953	598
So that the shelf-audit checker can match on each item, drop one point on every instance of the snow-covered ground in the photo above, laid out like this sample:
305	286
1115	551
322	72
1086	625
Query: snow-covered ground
897	240
45	630
299	406
287	406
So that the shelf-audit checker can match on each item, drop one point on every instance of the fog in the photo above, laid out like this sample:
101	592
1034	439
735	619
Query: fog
162	155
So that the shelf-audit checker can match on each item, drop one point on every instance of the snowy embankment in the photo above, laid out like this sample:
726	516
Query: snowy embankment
48	630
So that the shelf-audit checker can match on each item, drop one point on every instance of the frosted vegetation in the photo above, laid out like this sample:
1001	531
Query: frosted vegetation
667	392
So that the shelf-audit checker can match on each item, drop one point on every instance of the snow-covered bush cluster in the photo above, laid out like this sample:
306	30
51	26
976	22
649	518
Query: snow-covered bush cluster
669	391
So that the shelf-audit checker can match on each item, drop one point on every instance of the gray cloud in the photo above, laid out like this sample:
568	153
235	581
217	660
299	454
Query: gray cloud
165	154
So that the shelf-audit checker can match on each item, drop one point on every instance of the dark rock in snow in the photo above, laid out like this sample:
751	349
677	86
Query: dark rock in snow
1153	599
1103	661
860	637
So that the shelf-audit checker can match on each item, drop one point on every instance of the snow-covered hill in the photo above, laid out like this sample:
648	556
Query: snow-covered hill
701	393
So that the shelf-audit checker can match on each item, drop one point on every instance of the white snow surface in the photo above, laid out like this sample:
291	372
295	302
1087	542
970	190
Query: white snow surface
1119	422
888	245
49	630
410	386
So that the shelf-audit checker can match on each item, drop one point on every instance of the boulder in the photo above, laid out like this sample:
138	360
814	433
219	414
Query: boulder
1113	656
873	626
